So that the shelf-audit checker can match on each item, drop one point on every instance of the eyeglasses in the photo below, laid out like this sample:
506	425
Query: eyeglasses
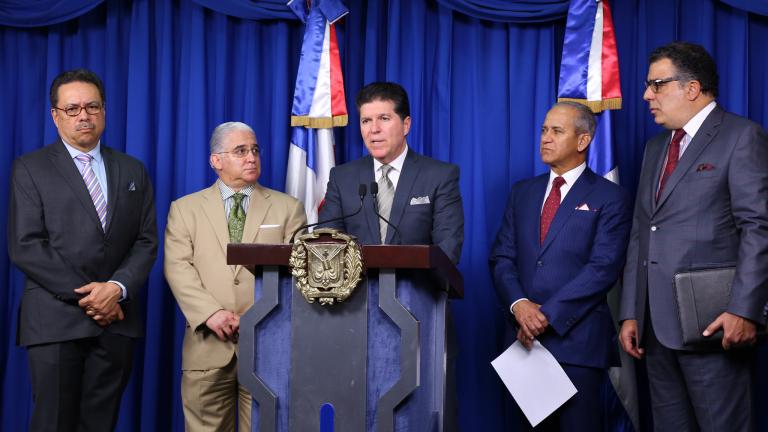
656	84
75	110
241	152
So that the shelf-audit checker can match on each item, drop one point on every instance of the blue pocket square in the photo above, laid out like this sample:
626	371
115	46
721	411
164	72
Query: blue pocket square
131	187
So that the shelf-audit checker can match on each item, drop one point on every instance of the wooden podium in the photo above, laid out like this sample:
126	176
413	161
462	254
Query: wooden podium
376	362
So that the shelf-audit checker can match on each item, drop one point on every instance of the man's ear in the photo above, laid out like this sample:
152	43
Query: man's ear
583	144
693	90
55	117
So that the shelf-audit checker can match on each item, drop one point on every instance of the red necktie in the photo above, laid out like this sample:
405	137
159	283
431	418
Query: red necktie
550	207
673	155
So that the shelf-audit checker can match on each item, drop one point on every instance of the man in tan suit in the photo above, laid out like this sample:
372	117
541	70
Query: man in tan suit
213	295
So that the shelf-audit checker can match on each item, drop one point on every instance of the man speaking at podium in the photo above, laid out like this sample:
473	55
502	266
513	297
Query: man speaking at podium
418	195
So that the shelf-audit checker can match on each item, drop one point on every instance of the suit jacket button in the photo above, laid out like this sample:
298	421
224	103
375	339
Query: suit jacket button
237	282
654	228
539	263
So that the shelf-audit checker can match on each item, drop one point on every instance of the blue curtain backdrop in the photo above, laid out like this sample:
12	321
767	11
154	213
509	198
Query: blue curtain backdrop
481	75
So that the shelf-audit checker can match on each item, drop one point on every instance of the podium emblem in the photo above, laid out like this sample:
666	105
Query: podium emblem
327	265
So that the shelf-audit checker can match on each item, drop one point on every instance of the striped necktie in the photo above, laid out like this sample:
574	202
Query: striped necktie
94	188
386	194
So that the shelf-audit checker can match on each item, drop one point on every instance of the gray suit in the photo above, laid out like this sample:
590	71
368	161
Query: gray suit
55	238
712	212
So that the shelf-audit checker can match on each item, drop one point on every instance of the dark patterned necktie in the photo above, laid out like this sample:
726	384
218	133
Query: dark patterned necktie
550	207
236	219
673	155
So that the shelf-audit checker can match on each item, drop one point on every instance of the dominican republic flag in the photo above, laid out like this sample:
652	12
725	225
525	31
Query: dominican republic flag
589	74
318	104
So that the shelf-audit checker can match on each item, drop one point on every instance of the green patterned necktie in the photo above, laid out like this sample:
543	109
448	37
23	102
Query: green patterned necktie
236	219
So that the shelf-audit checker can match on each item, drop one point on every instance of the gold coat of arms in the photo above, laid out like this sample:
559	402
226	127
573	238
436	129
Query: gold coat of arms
327	265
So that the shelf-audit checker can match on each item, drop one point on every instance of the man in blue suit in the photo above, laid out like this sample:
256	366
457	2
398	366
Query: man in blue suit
559	251
419	195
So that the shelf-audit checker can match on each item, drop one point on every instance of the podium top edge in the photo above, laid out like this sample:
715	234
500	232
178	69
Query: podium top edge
427	257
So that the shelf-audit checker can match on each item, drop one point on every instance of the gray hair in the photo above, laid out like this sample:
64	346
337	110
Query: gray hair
584	122
222	130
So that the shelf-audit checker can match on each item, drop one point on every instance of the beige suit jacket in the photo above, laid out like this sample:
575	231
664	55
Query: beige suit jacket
196	240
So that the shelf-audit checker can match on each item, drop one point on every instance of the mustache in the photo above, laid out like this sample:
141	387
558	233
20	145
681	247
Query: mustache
84	125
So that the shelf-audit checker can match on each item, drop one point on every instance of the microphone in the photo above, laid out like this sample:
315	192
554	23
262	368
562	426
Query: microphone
361	191
374	193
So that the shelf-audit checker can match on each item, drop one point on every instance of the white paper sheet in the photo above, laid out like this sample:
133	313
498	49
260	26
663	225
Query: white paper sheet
535	379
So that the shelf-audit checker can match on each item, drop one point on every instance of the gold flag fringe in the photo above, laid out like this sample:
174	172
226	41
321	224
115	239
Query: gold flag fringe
596	106
319	122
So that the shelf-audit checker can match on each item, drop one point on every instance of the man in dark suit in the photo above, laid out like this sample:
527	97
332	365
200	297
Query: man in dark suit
82	229
559	251
701	203
419	195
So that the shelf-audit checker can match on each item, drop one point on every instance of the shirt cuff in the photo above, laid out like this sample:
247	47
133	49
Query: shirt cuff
514	303
124	294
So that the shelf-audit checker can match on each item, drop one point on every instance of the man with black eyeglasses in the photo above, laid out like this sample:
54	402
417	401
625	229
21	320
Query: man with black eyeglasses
82	229
700	211
211	294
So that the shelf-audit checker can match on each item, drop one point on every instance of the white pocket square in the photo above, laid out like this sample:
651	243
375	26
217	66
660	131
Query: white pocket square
270	226
583	206
420	200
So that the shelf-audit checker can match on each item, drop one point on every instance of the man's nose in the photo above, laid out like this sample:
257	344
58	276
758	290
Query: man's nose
648	94
83	115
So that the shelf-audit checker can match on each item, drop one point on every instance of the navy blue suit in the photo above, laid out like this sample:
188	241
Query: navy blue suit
569	274
440	221
426	209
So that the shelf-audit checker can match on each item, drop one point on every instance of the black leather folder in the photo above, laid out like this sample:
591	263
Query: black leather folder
702	295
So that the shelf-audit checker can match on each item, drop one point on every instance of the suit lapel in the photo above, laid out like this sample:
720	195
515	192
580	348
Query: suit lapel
657	155
404	185
213	207
534	211
62	160
703	137
367	177
576	196
258	206
113	181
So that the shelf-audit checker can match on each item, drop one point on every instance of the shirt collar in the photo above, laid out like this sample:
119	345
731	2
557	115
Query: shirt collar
95	152
694	124
571	176
397	164
227	192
